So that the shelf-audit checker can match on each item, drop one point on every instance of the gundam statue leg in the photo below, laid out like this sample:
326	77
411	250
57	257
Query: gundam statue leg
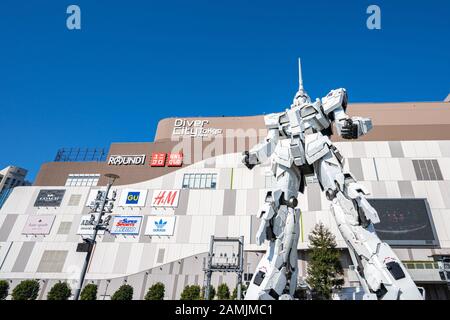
276	275
379	270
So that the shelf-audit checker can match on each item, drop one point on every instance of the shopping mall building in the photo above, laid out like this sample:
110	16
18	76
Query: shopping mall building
173	194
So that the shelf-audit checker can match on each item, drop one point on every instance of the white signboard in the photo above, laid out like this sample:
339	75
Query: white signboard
126	160
133	197
165	198
194	128
39	224
126	225
160	226
93	194
85	228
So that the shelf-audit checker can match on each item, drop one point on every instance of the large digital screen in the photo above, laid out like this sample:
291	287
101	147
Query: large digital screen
405	222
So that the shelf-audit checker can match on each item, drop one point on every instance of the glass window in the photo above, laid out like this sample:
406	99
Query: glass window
419	266
213	181
199	181
82	180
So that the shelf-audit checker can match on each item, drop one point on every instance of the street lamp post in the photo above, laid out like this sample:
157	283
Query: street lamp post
98	224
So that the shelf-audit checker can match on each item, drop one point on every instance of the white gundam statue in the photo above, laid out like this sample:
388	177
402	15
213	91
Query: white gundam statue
298	144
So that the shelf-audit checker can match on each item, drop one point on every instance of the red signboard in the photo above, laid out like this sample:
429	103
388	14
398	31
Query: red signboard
158	159
165	198
174	159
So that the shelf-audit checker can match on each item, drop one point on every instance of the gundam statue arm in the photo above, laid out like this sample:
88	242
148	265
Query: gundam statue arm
298	144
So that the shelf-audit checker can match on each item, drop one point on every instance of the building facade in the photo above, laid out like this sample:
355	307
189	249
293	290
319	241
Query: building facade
11	177
189	184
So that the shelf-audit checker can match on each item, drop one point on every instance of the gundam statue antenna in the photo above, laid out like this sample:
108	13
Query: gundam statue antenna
300	77
298	144
301	96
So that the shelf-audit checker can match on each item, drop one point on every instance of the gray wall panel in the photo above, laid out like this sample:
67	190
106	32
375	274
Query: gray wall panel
184	229
122	256
182	202
355	167
314	200
23	257
406	189
7	226
444	186
142	237
252	205
396	149
229	203
221	226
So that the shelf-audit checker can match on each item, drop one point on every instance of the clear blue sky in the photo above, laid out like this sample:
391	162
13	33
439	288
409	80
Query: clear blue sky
135	62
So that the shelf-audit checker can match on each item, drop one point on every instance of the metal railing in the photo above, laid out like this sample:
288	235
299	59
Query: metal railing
81	155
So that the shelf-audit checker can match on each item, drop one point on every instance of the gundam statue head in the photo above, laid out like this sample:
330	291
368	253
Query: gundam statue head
301	97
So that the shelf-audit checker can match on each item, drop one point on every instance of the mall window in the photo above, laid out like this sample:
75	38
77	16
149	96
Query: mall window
200	181
82	180
427	170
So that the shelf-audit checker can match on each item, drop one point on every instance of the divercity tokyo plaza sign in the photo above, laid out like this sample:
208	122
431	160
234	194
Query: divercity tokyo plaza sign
193	128
126	160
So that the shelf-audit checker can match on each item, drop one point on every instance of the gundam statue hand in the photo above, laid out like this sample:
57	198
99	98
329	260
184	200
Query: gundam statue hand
249	160
355	127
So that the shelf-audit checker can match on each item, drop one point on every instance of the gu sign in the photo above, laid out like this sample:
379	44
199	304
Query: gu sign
165	198
133	198
193	128
126	160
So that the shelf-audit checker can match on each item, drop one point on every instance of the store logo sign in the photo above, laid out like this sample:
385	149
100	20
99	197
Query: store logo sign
160	226
175	160
193	128
126	160
126	225
158	159
49	198
132	198
38	224
165	198
157	226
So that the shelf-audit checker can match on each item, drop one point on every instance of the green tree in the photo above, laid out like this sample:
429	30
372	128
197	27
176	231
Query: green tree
60	291
243	291
4	289
26	290
324	269
223	292
212	292
155	292
125	292
191	293
89	292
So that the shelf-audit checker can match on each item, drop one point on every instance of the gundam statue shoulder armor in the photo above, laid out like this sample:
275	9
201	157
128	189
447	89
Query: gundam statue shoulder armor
298	144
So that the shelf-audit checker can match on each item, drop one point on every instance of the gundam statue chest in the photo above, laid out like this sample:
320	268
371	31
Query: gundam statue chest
301	141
